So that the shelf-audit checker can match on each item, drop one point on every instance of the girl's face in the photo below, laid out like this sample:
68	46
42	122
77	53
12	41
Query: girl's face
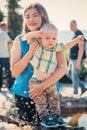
33	19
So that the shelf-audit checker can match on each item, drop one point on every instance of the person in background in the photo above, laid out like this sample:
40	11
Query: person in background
86	50
77	56
45	64
4	55
22	52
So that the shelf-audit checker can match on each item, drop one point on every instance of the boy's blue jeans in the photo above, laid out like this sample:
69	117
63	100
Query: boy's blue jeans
74	74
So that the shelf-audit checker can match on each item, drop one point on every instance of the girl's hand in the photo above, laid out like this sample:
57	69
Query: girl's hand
36	90
33	47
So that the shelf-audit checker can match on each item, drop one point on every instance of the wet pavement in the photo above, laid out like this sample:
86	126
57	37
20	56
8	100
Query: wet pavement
79	118
66	90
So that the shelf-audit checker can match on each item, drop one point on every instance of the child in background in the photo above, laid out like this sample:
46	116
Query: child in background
45	63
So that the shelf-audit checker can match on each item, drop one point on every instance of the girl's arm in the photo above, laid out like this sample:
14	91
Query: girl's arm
19	64
72	43
61	70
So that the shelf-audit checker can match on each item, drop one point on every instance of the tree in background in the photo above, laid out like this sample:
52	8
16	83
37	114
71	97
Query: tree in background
1	16
14	18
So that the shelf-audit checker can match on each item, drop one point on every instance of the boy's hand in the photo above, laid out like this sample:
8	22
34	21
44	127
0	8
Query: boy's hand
33	34
80	38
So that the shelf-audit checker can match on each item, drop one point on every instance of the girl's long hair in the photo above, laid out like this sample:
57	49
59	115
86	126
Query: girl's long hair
42	12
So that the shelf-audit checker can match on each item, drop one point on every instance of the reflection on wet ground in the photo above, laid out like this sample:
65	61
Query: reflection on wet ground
75	117
78	119
83	120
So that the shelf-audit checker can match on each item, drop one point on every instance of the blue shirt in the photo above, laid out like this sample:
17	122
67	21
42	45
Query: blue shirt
21	85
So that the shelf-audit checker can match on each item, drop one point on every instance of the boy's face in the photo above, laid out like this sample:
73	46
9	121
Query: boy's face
49	39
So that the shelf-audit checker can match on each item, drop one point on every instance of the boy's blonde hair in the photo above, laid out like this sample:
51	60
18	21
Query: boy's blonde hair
49	27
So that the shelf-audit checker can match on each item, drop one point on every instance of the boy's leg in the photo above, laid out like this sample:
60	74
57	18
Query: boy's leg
43	109
54	106
41	102
53	100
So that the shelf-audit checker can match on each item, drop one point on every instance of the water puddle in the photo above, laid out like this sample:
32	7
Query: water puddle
78	119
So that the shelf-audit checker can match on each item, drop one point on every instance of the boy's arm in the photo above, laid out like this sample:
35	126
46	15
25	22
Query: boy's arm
28	36
72	43
38	40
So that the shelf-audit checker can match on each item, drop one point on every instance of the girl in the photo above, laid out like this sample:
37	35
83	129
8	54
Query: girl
34	17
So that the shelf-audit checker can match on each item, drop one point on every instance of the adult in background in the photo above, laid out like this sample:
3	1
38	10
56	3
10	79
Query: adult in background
77	56
4	54
22	52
